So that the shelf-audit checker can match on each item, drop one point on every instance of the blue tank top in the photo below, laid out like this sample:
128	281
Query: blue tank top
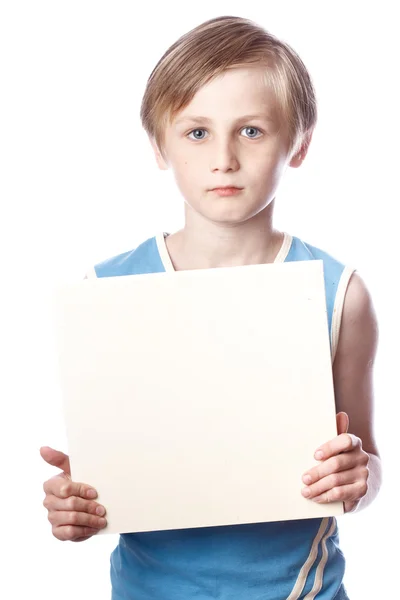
288	560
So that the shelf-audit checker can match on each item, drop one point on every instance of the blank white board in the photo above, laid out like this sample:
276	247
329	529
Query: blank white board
197	398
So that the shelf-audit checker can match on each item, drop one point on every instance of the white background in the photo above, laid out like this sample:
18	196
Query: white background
79	184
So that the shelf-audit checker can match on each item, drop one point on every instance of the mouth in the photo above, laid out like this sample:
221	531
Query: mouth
227	191
225	187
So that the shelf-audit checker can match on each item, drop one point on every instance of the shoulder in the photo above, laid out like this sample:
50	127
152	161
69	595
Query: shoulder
144	258
301	250
334	269
359	329
337	276
336	273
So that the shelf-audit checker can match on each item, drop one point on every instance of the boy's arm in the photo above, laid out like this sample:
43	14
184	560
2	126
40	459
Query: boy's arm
353	375
350	468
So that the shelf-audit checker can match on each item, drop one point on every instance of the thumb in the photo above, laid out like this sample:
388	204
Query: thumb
56	459
342	422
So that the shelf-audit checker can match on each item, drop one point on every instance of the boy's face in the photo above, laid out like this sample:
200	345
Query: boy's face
230	148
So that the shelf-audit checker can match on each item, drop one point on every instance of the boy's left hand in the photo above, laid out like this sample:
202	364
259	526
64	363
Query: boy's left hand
342	474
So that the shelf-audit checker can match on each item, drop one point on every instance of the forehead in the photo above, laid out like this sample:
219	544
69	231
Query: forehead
236	93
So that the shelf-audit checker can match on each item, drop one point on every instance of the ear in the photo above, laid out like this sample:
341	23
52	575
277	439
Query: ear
161	162
297	159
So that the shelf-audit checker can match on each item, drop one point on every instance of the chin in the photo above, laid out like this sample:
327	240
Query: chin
231	214
230	210
229	217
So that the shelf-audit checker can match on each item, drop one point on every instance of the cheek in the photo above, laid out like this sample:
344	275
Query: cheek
187	179
189	172
267	172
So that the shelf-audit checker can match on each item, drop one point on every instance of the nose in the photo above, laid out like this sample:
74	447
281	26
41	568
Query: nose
224	157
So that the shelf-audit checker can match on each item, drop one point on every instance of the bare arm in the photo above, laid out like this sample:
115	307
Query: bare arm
350	467
353	376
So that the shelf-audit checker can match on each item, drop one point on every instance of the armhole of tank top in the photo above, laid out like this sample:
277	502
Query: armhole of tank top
91	274
338	308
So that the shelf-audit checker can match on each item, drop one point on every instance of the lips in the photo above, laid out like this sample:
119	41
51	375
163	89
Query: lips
226	187
227	191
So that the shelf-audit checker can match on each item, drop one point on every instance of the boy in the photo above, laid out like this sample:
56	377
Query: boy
229	108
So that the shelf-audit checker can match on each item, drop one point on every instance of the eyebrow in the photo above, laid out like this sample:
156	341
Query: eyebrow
197	119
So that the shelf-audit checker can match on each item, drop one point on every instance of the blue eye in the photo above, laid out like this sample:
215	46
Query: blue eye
253	128
202	138
195	131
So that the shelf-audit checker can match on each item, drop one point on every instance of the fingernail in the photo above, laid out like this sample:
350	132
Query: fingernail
307	479
306	492
100	511
91	493
319	455
102	522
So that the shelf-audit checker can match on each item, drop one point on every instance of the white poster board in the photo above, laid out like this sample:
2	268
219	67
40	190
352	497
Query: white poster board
197	398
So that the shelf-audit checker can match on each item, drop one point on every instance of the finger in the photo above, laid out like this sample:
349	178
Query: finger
345	442
73	533
342	422
335	480
351	506
63	518
52	503
56	458
54	484
335	464
344	493
63	488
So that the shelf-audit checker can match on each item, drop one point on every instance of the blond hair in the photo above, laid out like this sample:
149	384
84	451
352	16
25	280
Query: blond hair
210	49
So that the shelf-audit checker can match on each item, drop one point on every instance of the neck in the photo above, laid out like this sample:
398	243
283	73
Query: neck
202	244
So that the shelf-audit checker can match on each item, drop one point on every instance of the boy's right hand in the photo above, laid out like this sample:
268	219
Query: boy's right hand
72	512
